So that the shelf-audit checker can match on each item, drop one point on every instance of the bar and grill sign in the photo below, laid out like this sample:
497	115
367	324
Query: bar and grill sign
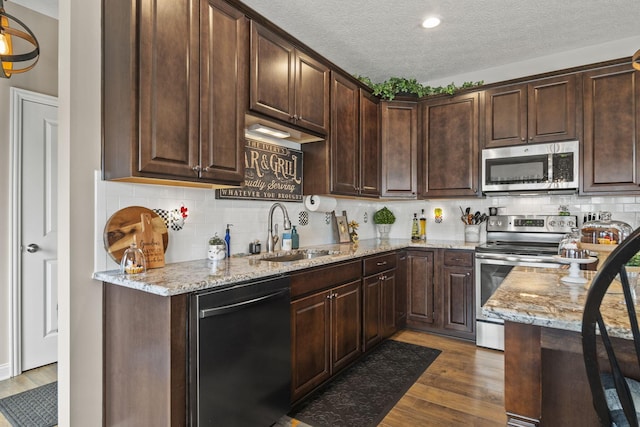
272	172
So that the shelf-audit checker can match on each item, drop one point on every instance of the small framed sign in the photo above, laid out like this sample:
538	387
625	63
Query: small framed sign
343	229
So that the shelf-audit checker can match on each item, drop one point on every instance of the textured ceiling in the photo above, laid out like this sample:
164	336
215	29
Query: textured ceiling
383	38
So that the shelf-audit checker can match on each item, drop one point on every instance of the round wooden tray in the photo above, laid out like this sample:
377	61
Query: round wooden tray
126	223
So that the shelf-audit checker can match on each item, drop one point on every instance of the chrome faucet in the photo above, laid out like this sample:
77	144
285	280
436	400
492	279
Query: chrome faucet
271	238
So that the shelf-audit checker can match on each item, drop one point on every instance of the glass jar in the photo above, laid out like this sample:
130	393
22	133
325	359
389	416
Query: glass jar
605	231
570	245
133	260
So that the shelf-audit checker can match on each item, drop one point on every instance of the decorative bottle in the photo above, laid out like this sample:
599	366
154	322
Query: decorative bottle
423	226
415	229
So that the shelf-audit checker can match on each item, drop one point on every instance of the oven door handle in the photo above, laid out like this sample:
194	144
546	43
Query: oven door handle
516	258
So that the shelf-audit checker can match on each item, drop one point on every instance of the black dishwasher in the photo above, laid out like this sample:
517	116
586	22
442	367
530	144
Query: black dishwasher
240	354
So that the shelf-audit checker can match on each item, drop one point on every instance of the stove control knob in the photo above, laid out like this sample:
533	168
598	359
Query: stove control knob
552	223
561	223
571	224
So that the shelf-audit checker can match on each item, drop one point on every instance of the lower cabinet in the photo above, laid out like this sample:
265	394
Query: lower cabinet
441	291
326	323
379	298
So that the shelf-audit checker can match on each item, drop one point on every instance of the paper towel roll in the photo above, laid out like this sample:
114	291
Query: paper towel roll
319	203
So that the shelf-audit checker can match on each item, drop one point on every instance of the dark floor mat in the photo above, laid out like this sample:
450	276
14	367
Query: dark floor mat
363	394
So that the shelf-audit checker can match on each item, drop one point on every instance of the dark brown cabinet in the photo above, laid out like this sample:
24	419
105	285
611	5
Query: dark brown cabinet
420	288
401	290
611	140
458	316
174	111
326	323
286	83
399	135
450	147
441	291
379	288
355	140
540	111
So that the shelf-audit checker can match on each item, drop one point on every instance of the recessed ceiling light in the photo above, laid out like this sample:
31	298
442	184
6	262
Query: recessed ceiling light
431	22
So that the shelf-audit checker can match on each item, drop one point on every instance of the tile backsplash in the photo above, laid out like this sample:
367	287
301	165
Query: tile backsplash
208	215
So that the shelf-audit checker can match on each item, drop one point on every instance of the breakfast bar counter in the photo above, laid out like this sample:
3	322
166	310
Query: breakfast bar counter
545	379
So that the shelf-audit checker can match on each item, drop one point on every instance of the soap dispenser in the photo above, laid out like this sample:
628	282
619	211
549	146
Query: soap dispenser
295	238
227	239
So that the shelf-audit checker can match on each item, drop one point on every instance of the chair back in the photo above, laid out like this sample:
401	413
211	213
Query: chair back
614	265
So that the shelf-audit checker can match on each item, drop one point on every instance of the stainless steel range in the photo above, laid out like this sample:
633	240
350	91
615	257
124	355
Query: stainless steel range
513	240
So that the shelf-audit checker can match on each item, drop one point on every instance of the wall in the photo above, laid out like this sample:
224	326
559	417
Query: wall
44	79
208	215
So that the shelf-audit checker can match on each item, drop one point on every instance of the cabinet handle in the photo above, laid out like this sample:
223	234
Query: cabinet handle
299	117
379	264
334	295
295	117
522	139
530	138
329	296
196	168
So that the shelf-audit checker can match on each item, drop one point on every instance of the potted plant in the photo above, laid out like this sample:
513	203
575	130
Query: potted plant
217	248
383	219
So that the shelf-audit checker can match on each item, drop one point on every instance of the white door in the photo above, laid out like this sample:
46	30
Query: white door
38	141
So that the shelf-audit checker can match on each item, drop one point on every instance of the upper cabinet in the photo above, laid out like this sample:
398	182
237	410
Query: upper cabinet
399	160
611	140
355	139
450	147
174	111
286	83
540	111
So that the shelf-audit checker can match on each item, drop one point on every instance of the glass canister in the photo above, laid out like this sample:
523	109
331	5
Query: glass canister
605	231
133	260
570	246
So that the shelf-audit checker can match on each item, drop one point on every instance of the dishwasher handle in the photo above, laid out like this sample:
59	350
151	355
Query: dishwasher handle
217	311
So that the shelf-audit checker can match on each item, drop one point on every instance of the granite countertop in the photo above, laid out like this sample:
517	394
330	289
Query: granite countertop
537	296
189	276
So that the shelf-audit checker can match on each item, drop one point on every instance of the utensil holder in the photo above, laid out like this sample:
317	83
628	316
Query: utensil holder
472	233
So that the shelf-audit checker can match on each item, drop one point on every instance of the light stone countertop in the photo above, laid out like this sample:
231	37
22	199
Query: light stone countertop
189	276
537	296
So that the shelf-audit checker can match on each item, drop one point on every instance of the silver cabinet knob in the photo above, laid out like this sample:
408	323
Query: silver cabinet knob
32	248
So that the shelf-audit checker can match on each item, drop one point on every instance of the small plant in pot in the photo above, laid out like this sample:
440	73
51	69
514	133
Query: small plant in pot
383	219
217	248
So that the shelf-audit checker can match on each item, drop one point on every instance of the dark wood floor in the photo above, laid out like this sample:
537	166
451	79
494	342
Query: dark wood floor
463	387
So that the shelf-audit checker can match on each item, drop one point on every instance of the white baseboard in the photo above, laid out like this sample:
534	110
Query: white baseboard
5	371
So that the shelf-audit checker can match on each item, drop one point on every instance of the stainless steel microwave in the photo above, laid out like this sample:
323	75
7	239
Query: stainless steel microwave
548	167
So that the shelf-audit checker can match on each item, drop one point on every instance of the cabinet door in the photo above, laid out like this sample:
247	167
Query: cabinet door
421	290
372	312
399	149
458	307
311	94
450	150
552	109
168	84
310	343
224	66
388	304
345	154
272	78
346	310
611	98
369	144
505	116
401	290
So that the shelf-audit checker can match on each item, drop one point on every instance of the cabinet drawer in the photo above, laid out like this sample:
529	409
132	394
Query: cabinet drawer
458	258
376	264
316	279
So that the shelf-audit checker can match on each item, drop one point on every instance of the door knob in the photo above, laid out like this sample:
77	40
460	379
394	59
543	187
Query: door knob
32	248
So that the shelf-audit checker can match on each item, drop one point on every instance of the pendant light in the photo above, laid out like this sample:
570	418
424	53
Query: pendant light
635	60
13	63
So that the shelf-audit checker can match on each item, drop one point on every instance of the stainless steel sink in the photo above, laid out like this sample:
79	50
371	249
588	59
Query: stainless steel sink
297	256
